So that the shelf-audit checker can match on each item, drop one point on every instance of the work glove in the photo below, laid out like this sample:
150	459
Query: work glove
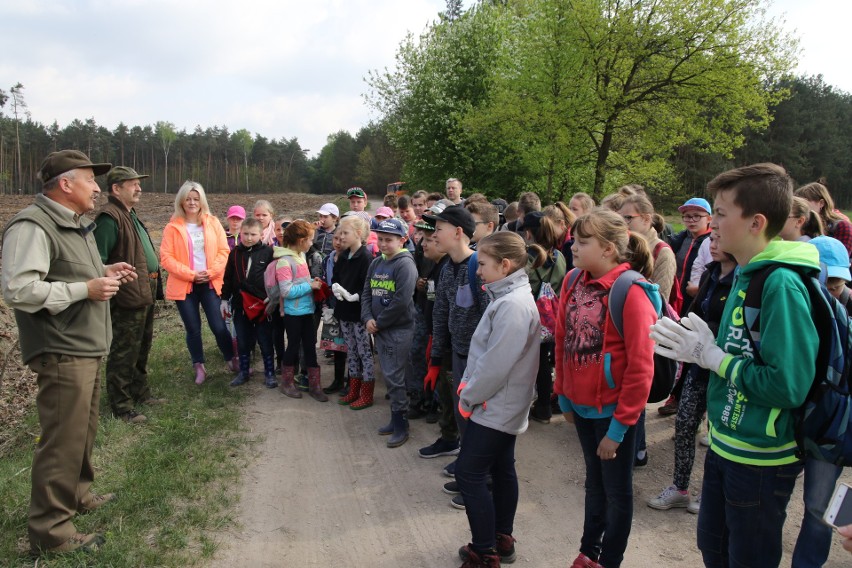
351	297
224	309
337	290
690	341
431	378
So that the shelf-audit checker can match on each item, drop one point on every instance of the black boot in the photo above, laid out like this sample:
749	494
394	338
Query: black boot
339	372
400	429
415	405
269	372
243	376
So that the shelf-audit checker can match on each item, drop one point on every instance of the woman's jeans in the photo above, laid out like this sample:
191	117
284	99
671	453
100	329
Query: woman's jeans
609	493
485	452
205	296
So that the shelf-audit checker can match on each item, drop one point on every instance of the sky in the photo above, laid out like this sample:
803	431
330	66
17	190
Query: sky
278	68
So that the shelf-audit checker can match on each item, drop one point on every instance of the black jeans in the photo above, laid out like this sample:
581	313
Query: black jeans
609	493
300	332
487	451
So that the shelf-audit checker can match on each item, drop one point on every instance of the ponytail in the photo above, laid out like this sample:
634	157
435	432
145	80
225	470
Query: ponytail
639	255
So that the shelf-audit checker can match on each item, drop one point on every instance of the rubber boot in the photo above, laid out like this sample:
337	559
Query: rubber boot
387	429
200	373
400	429
354	391
243	376
339	372
287	387
365	400
269	372
314	386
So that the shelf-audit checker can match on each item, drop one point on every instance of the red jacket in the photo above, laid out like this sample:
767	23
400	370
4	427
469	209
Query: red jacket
591	357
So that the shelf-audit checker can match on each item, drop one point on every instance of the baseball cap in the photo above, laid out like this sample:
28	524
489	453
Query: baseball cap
696	203
57	163
458	216
531	221
835	257
355	192
430	215
122	173
392	226
386	212
236	211
500	204
329	209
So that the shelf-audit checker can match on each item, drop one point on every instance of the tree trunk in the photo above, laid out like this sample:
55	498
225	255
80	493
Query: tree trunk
603	155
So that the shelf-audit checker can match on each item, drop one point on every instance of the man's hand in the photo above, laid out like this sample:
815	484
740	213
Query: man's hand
122	271
691	341
607	448
372	327
102	289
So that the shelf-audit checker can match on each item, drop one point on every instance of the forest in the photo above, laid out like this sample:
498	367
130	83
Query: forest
551	96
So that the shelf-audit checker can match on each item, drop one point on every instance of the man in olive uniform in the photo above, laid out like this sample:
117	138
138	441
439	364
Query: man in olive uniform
55	281
121	236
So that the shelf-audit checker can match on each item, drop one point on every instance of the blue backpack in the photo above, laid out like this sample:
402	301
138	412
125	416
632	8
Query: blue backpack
823	423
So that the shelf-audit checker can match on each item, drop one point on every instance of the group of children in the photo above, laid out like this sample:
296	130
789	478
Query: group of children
457	306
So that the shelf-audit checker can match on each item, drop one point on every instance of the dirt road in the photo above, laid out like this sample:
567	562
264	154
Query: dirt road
324	490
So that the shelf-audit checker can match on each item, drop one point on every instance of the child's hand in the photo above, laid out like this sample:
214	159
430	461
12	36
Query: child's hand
846	532
316	284
224	309
372	327
607	448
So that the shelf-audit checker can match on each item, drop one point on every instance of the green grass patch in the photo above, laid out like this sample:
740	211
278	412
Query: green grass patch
175	477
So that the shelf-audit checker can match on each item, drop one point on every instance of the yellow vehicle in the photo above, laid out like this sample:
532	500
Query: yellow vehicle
396	188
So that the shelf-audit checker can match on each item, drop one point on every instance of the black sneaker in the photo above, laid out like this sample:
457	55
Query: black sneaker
640	462
458	502
441	447
450	470
451	488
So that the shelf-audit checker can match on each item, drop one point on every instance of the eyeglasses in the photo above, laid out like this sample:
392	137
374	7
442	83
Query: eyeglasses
628	218
691	218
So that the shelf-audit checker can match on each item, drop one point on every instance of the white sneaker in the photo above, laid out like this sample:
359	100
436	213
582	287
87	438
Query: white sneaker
694	505
670	497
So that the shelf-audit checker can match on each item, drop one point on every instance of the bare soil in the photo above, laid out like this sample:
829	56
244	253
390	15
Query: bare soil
324	490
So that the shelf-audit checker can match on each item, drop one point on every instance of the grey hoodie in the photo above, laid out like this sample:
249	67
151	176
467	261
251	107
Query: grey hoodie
502	363
388	295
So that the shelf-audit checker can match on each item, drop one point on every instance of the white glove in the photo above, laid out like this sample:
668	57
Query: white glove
691	341
338	291
351	297
327	316
225	309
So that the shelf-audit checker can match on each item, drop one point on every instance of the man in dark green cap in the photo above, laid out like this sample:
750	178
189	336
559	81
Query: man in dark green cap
120	235
59	288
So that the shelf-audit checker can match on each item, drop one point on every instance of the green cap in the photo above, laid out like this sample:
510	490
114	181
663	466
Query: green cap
57	163
122	173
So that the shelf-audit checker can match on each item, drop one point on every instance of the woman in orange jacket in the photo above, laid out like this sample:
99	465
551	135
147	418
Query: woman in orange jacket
194	252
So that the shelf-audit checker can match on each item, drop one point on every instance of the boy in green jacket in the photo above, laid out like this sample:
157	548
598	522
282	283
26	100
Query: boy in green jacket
752	465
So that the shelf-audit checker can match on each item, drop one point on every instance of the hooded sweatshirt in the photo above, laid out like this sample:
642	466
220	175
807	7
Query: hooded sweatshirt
388	295
296	293
244	271
748	403
499	380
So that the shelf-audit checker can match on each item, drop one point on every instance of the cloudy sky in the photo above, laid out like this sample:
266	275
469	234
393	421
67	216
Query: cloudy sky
280	68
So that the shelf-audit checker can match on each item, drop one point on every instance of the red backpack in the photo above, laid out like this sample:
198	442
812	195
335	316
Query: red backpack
675	296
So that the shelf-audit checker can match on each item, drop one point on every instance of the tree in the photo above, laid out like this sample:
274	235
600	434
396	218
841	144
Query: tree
245	142
19	109
454	10
165	132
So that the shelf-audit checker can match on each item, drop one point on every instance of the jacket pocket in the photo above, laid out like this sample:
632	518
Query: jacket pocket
464	297
607	365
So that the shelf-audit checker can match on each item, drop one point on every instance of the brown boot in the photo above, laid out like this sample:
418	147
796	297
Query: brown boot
314	386
354	391
365	400
287	385
488	559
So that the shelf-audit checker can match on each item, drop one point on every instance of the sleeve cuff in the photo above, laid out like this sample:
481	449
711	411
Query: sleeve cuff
78	291
436	362
616	431
565	404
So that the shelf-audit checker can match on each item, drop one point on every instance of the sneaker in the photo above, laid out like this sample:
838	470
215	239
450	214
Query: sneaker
583	561
670	497
539	419
669	408
450	469
78	542
458	502
240	379
505	549
640	462
133	417
95	502
451	488
302	382
441	447
694	505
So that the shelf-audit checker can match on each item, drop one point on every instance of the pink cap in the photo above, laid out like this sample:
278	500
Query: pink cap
236	211
384	212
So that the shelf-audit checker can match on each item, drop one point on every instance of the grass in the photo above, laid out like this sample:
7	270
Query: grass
175	476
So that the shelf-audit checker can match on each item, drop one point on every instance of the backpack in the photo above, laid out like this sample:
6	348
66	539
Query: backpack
270	282
666	370
547	303
823	423
675	296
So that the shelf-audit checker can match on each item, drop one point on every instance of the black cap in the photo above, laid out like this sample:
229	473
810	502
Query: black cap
532	221
500	204
458	216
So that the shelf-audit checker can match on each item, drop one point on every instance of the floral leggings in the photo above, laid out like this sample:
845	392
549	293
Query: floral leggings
690	409
359	352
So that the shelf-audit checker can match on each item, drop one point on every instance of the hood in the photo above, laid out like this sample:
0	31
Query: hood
278	252
395	258
788	253
607	280
515	280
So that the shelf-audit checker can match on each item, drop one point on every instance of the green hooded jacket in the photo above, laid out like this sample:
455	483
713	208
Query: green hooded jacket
749	404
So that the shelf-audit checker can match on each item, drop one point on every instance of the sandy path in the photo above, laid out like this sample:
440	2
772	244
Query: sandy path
324	490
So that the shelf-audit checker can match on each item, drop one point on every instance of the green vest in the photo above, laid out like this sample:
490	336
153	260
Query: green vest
84	328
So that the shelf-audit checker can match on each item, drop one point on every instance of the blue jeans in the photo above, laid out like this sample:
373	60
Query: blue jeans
487	451
641	444
204	296
743	509
249	333
609	493
815	536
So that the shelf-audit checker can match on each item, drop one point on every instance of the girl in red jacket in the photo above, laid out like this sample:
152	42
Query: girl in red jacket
598	391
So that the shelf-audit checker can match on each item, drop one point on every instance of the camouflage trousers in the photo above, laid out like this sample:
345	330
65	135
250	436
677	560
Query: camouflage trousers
127	364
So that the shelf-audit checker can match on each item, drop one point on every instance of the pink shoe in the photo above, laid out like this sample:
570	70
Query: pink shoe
200	373
583	561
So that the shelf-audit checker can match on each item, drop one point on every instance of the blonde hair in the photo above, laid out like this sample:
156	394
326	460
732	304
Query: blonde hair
505	244
815	191
359	226
584	200
264	204
609	227
183	193
813	227
613	201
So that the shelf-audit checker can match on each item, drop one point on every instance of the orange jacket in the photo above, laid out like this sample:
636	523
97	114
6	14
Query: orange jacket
175	256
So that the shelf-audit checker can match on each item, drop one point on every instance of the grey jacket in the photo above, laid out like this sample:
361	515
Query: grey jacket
503	359
388	295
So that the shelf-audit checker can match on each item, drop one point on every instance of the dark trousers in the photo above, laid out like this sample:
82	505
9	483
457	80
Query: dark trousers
743	509
609	493
544	381
127	364
204	297
250	333
459	365
447	420
300	333
485	452
277	321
